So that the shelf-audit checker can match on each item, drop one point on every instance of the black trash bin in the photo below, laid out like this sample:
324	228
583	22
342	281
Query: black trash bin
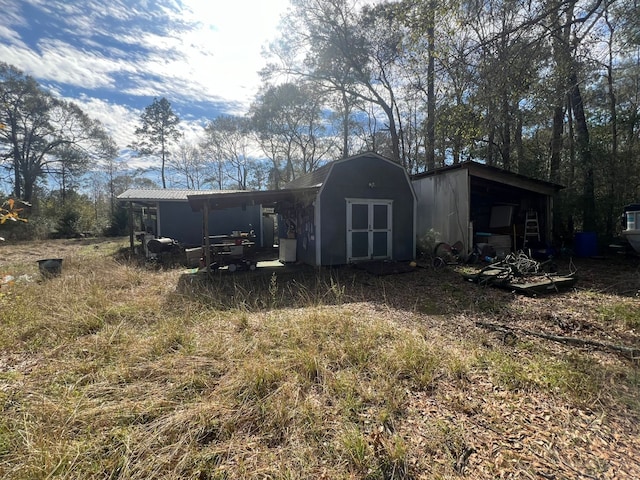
50	267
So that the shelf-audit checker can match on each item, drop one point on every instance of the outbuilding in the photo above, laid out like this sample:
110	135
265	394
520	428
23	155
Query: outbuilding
159	213
355	209
478	204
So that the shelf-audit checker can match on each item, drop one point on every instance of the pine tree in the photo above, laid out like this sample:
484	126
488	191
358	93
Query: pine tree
158	130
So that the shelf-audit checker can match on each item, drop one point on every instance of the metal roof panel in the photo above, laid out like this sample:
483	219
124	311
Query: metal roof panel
166	194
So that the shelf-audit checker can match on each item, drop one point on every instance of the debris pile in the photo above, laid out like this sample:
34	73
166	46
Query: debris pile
519	272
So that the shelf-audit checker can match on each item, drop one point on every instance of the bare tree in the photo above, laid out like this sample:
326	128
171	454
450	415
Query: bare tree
189	163
288	121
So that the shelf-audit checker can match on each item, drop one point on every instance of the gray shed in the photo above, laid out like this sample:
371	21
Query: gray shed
355	209
478	204
166	213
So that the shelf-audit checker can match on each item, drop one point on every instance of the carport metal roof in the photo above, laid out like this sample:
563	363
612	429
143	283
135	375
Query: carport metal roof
218	201
506	177
154	195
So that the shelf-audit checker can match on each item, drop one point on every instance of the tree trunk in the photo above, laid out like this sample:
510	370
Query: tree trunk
556	140
518	141
17	183
345	124
402	148
613	167
571	177
164	183
393	132
431	97
27	194
491	138
584	152
506	133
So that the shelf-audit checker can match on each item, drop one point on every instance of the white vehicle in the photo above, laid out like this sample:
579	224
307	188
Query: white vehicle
631	225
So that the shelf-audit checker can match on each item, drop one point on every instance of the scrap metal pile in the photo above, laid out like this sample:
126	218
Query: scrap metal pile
519	272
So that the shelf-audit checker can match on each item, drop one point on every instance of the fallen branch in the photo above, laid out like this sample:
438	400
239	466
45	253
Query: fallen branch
629	352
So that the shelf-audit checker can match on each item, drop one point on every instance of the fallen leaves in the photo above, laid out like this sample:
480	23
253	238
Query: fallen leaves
525	435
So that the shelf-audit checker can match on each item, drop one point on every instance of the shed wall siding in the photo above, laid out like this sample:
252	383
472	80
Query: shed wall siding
443	206
179	222
352	179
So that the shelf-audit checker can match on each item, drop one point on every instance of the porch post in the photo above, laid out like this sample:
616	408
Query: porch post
131	227
158	222
549	224
207	242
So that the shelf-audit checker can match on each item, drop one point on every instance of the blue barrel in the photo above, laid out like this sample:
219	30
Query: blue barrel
585	244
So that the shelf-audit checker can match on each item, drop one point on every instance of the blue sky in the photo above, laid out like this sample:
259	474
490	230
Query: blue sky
112	57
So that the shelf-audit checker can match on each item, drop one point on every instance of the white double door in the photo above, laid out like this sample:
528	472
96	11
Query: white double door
369	229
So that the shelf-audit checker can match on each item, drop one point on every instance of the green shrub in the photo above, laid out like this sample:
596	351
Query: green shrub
68	223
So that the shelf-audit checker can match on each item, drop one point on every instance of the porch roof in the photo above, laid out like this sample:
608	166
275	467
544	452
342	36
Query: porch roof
219	201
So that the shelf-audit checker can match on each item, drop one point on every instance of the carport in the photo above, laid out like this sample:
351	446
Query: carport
158	213
284	202
476	203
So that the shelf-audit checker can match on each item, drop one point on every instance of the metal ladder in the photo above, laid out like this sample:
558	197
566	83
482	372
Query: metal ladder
531	227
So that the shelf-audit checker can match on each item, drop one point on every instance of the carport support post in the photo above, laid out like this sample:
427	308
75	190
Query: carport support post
131	227
207	242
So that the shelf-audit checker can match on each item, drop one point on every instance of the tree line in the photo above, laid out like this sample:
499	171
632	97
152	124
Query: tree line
547	88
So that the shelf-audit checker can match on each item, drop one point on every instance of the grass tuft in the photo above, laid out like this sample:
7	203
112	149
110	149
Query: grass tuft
626	314
116	370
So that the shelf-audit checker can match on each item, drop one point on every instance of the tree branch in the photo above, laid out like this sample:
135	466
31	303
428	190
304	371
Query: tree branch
628	352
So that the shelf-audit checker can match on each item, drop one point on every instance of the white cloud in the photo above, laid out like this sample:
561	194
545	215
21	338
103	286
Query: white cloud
67	64
208	51
11	36
61	62
119	120
232	34
218	59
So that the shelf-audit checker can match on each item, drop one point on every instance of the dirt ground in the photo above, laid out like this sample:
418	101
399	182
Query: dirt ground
499	430
29	252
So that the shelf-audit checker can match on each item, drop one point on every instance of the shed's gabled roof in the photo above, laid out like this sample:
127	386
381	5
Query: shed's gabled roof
319	176
165	194
311	179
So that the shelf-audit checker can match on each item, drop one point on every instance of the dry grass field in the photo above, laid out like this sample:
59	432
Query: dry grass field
120	370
